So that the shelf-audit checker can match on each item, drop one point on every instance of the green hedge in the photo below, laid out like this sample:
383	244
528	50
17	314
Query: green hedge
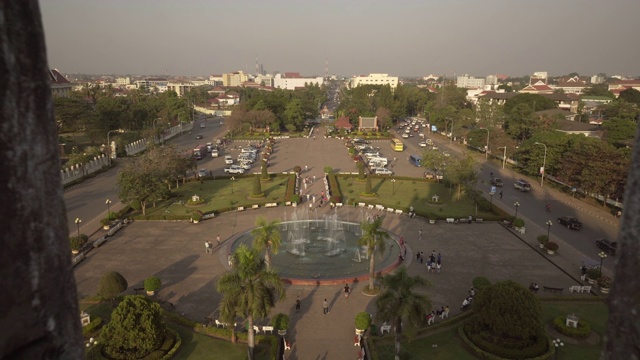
291	188
582	331
507	348
336	194
93	326
516	353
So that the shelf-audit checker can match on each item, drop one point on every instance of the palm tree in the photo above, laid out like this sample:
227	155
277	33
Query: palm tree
374	239
398	302
249	290
266	236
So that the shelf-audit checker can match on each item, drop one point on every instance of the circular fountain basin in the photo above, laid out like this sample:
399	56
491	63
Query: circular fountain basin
324	252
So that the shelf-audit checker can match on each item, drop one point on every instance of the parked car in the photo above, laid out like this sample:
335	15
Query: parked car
570	222
198	137
382	171
497	182
215	152
245	165
228	160
405	136
203	172
607	246
522	185
202	125
234	169
422	144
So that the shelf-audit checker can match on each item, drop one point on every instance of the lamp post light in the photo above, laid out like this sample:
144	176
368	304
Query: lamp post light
91	345
233	179
393	183
549	223
544	162
602	256
108	202
491	199
516	204
78	221
486	150
557	343
504	155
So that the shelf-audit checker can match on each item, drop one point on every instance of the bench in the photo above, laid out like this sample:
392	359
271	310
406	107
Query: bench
478	220
137	290
398	211
463	220
241	208
552	289
256	328
255	206
339	205
384	328
370	207
390	210
288	203
267	328
271	205
99	241
208	216
287	345
586	289
361	205
380	207
576	288
451	220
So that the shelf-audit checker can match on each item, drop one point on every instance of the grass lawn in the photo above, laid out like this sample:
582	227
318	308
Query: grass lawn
404	193
219	195
449	346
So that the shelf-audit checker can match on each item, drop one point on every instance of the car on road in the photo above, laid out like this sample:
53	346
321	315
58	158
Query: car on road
202	125
234	169
522	185
422	144
570	222
228	160
497	182
382	171
607	246
198	137
245	165
215	153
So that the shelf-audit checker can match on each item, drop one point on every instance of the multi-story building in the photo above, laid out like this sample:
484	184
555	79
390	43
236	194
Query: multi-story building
123	81
234	78
215	80
293	80
468	82
374	79
60	86
264	80
619	86
597	79
153	84
180	88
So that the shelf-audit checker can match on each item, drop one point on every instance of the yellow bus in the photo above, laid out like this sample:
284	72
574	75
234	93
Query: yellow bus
397	145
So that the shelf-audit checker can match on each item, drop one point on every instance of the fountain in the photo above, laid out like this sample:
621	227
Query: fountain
322	250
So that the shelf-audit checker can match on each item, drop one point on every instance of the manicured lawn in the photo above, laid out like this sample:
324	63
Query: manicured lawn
219	195
447	345
403	193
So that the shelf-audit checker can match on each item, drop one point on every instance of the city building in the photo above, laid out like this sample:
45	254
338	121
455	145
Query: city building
180	88
573	85
539	87
619	86
234	79
123	81
60	86
468	82
293	80
215	80
374	79
153	84
264	80
597	79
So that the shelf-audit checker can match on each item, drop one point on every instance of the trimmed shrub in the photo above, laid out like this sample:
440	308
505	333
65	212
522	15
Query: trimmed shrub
594	273
542	239
112	284
93	326
363	320
291	188
257	187
582	331
551	246
297	169
517	222
197	215
328	169
280	321
78	242
334	188
152	283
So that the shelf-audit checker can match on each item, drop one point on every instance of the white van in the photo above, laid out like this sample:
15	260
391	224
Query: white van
378	160
214	152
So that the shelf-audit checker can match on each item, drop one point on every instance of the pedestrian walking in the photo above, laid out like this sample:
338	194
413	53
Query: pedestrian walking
325	307
438	267
308	197
421	257
346	291
420	234
207	246
305	185
500	194
429	265
306	168
470	219
298	304
230	259
314	199
218	238
314	178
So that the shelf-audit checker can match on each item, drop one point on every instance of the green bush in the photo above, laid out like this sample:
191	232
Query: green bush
297	169
490	351
542	239
135	205
112	284
257	187
291	188
480	282
604	282
594	273
280	321
197	215
78	242
582	331
363	320
551	246
334	188
93	326
152	283
328	169
517	222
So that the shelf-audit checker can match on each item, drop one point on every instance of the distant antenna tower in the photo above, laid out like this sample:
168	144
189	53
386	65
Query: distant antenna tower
257	67
326	69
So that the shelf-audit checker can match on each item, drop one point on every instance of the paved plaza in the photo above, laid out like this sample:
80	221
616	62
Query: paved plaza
175	252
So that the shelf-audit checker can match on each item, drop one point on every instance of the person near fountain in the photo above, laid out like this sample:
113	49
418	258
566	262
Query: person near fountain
218	238
207	247
325	307
298	304
346	291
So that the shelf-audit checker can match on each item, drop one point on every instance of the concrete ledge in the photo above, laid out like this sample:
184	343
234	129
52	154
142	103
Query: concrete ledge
241	208
271	205
451	220
99	241
255	206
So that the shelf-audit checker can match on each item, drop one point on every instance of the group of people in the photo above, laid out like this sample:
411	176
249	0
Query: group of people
433	261
443	312
468	300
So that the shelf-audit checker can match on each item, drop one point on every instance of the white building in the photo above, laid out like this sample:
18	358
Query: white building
374	79
597	79
491	80
469	82
293	80
123	81
234	78
266	80
180	88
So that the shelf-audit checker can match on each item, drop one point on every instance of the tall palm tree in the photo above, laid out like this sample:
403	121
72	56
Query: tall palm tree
249	290
266	237
374	239
398	301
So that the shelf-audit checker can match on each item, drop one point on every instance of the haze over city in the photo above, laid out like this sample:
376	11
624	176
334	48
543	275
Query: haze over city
403	38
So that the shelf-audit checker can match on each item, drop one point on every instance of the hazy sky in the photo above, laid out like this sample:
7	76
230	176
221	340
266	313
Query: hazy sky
400	37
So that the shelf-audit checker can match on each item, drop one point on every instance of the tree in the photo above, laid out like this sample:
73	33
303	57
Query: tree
367	186
630	95
139	181
136	329
257	188
384	118
521	123
462	173
509	316
599	90
618	131
374	239
266	236
400	304
294	115
534	102
112	284
250	289
263	170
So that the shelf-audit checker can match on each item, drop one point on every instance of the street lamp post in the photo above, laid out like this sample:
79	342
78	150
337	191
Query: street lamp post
486	150
393	183
602	256
78	221
428	120
91	345
233	179
491	199
544	162
549	223
504	155
516	204
108	202
557	343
